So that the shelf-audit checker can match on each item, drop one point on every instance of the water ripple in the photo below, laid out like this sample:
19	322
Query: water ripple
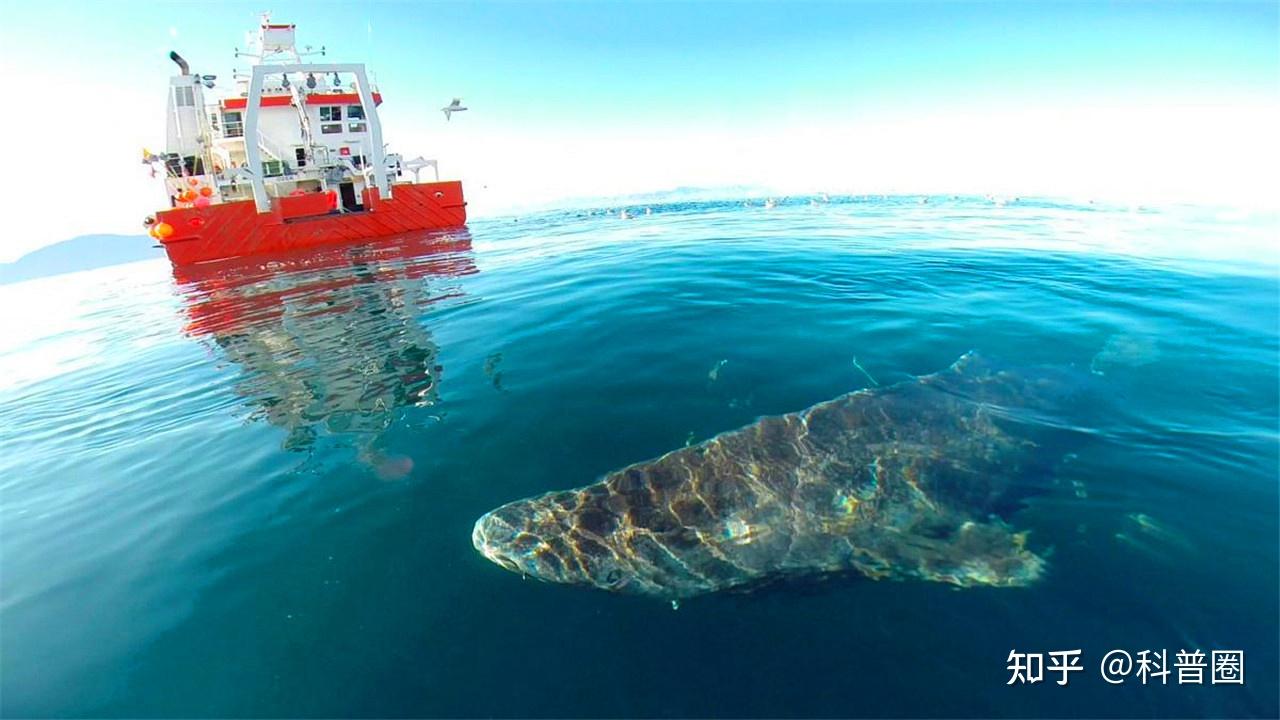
246	488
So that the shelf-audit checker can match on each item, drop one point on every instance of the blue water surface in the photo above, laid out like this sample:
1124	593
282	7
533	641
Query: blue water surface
247	489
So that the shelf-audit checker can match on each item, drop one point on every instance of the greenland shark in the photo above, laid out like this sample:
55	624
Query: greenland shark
902	481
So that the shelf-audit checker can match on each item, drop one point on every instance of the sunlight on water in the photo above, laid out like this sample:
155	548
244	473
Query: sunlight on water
51	327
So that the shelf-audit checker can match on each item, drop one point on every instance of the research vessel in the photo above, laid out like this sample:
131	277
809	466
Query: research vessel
292	158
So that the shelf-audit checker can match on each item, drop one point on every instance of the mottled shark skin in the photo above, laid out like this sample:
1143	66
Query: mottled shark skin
892	482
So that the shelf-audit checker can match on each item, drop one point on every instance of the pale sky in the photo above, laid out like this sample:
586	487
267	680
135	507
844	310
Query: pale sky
1111	101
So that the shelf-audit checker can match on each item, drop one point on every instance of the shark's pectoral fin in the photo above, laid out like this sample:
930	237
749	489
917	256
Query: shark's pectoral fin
964	553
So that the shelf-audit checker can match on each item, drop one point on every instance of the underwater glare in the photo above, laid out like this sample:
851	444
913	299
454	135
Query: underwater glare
868	447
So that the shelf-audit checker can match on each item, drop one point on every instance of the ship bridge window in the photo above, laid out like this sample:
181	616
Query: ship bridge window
356	127
355	112
234	123
330	113
330	128
184	97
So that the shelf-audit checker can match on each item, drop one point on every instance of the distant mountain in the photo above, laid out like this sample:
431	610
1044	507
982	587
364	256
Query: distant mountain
80	253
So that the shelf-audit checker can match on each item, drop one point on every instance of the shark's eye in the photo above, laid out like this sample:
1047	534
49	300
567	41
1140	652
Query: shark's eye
613	577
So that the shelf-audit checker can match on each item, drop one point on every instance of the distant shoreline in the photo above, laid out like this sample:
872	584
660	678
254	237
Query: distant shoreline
85	252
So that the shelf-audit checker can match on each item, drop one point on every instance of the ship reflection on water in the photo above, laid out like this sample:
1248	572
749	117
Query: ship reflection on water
331	343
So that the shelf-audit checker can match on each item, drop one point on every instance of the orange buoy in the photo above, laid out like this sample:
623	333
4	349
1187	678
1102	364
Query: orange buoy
186	196
162	230
206	191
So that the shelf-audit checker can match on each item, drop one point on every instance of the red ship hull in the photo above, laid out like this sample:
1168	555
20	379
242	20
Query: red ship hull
236	229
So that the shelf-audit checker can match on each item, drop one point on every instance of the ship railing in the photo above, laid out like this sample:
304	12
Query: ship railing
223	128
271	148
221	157
320	156
418	164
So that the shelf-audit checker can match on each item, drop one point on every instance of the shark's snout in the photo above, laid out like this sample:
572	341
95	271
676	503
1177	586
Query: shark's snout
493	539
544	538
520	538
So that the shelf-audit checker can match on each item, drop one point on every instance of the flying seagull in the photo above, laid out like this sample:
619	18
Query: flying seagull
453	107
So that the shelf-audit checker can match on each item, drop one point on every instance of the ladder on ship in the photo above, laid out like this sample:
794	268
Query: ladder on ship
274	153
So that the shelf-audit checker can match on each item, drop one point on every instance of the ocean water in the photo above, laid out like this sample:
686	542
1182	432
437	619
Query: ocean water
248	489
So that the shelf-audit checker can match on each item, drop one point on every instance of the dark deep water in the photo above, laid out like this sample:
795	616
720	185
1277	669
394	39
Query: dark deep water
248	490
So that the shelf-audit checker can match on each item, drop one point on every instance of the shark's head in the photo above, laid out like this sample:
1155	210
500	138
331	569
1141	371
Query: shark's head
563	537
